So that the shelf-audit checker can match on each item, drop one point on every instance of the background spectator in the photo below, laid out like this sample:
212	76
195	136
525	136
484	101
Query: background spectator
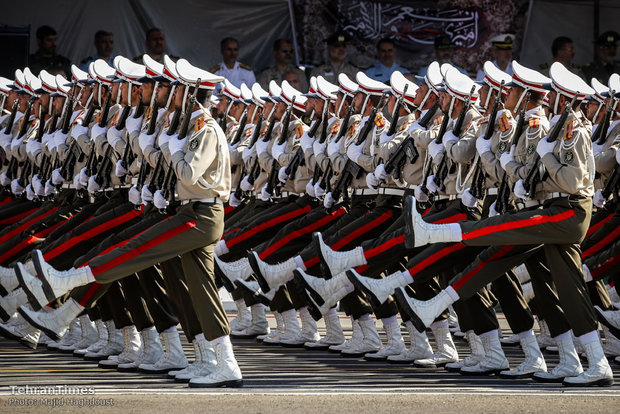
283	56
104	44
45	57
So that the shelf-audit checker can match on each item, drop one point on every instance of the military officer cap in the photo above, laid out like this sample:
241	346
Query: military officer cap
246	94
326	89
79	77
33	83
170	69
398	83
19	82
433	77
231	90
5	85
493	76
503	41
370	86
274	92
62	87
289	93
189	75
614	85
312	91
338	38
48	82
259	95
153	70
565	82
459	85
527	78
608	39
600	91
214	99
101	72
346	85
129	71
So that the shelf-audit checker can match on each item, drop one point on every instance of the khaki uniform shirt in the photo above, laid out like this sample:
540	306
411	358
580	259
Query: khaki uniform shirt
274	73
330	71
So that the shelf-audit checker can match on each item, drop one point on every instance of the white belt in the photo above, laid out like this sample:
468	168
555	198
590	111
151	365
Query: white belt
392	191
67	186
528	203
134	180
365	191
492	191
448	197
559	195
211	200
284	194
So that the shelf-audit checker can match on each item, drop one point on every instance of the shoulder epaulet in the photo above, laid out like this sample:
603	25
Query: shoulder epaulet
214	69
244	66
86	59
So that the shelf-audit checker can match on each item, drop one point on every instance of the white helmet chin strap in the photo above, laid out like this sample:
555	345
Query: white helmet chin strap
172	88
452	101
428	94
364	104
525	91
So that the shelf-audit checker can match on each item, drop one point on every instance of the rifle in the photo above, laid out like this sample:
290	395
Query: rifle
272	181
54	122
174	124
602	136
323	122
106	108
326	177
241	128
396	112
157	177
345	123
122	120
153	121
168	186
25	120
255	170
9	125
105	168
533	176
89	115
66	122
139	108
188	111
429	166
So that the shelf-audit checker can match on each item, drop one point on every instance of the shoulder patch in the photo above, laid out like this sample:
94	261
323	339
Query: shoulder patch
504	122
379	121
244	66
115	119
568	131
335	127
437	121
193	144
404	125
534	123
299	130
77	118
199	123
352	129
248	132
148	114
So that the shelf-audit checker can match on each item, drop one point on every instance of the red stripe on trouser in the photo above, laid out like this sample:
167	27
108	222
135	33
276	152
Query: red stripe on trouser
353	235
605	241
15	219
593	229
602	269
89	293
47	231
435	257
517	224
228	209
452	219
27	224
298	233
17	248
467	277
6	201
117	245
230	231
56	251
269	223
146	246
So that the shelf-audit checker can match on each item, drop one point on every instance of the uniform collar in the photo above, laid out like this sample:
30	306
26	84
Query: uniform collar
235	66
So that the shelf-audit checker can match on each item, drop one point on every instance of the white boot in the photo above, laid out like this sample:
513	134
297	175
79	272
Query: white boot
395	343
271	276
609	318
419	347
98	342
173	357
71	336
309	331
333	332
533	362
17	328
612	344
494	360
150	352
275	334
356	337
291	329
423	313
322	291
336	261
53	323
205	364
378	290
113	346
226	373
131	349
56	283
8	279
244	317
10	303
88	336
598	373
420	233
252	288
32	286
258	326
191	367
569	365
229	272
477	354
512	340
528	291
446	350
371	342
544	337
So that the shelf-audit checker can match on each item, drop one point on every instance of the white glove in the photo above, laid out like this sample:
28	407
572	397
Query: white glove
233	201
318	190
318	147
232	147
415	127
134	196
430	184
507	157
93	187
247	153
114	136
520	189
332	148
79	130
146	194
261	146
618	157
483	145
492	211
5	140
49	189
76	182
329	201
597	148
32	147
132	124
51	143
380	172
16	188
310	189
282	175
306	142
159	201
46	138
145	140
30	192
37	185
176	145
277	150
119	170
245	184
599	200
355	151
264	194
384	137
434	149
165	138
372	181
420	195
83	178
544	147
4	179
57	179
97	130
15	143
468	199
449	137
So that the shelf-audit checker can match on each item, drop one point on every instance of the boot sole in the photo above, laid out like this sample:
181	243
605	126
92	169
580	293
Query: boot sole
32	299
409	232
252	336
51	334
47	288
66	351
262	299
370	359
318	299
602	319
262	282
483	373
361	287
391	361
519	376
8	335
181	380
95	358
29	344
227	384
132	369
285	345
403	303
548	380
603	382
325	270
349	355
317	348
228	285
160	371
299	285
451	369
107	366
